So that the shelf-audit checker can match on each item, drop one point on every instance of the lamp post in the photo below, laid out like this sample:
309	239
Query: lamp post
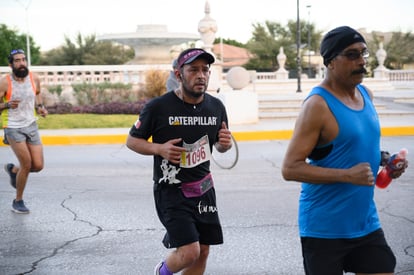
309	42
26	8
299	90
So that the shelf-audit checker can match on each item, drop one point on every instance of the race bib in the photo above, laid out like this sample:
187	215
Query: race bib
195	153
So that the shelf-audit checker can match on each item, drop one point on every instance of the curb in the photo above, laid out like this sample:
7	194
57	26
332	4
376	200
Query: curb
238	135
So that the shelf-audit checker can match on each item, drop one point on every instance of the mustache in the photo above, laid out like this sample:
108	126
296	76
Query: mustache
360	71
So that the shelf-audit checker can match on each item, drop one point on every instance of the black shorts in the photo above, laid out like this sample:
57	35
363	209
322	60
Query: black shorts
368	254
187	220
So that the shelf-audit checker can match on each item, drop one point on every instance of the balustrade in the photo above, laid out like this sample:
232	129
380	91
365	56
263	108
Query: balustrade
67	75
401	75
135	74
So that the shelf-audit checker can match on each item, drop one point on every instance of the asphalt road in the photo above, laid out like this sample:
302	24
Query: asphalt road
92	212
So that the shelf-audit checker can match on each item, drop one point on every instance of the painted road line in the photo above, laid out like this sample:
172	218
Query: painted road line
239	136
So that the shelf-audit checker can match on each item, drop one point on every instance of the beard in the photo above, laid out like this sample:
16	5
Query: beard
194	94
191	93
21	72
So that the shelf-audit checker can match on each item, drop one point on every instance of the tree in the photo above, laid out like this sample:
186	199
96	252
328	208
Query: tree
398	47
106	52
399	50
88	51
229	41
11	39
268	38
265	46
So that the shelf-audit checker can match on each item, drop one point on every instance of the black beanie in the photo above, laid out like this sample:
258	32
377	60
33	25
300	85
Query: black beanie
337	40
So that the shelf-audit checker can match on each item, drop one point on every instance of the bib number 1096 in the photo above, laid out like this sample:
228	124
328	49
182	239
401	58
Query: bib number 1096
195	153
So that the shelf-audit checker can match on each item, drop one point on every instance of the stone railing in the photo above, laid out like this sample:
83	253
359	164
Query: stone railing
67	75
135	74
401	75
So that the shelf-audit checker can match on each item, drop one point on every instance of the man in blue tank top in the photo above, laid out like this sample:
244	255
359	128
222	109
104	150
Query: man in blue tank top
335	153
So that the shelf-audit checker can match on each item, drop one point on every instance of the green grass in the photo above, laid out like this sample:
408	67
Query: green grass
74	121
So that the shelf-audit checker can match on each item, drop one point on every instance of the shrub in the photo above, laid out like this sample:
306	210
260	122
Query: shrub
55	89
100	108
94	93
60	108
101	98
155	81
111	108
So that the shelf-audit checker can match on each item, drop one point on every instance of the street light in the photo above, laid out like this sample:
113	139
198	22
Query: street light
299	90
26	8
309	41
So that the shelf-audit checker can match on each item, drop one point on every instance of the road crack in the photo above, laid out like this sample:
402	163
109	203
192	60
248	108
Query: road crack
57	249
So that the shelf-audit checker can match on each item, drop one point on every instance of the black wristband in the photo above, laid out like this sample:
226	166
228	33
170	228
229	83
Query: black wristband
7	105
40	106
385	155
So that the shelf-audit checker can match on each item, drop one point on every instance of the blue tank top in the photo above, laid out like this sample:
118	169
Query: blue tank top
343	210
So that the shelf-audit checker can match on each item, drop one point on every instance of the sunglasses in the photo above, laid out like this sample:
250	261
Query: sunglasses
13	52
354	54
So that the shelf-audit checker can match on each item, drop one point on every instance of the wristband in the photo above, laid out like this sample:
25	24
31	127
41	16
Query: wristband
7	105
40	106
385	156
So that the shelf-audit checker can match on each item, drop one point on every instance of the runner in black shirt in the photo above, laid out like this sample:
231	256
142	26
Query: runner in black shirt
184	127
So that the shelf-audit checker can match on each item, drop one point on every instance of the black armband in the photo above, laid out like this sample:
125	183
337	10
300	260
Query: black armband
385	155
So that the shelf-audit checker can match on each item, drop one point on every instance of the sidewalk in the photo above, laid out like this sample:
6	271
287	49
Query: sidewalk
395	109
263	130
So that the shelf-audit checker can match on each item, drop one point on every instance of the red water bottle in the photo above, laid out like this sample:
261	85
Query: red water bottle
395	162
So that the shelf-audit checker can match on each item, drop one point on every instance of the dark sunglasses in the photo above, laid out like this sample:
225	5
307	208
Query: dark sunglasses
354	54
13	52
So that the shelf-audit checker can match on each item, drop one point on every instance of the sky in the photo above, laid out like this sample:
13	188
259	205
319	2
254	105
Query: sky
49	21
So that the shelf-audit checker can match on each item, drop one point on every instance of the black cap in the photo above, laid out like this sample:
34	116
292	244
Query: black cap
336	40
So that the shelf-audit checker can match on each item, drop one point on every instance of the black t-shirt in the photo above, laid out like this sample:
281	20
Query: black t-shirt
168	117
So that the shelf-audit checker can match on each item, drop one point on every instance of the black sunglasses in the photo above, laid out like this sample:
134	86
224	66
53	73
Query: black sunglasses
13	52
354	54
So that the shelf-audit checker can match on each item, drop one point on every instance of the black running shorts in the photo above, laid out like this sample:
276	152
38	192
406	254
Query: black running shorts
368	254
187	220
